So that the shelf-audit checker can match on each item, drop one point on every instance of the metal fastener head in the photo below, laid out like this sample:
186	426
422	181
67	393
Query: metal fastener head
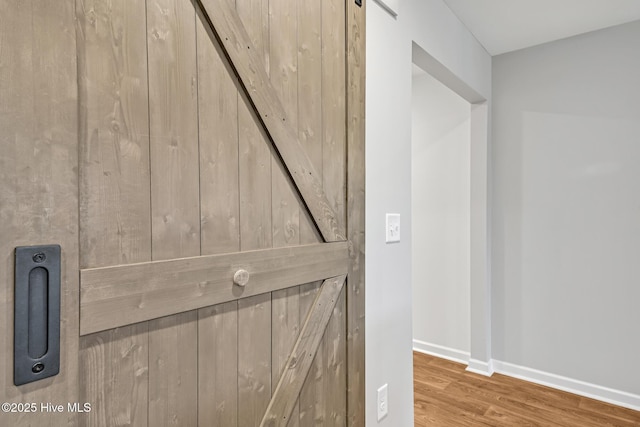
241	278
39	257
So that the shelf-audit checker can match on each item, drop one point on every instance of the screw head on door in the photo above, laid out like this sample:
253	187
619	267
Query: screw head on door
241	277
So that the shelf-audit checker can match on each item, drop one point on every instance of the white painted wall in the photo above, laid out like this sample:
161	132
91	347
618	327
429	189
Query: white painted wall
440	212
566	208
388	161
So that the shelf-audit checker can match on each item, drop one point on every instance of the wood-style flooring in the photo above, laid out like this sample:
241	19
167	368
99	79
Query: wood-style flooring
447	395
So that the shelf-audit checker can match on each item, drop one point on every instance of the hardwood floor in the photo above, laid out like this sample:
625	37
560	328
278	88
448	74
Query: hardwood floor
447	395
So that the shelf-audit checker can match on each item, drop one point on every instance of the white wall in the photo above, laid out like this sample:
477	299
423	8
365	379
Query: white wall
566	204
388	186
440	212
388	161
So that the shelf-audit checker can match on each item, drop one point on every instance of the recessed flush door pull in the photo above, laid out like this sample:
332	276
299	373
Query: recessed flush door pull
36	338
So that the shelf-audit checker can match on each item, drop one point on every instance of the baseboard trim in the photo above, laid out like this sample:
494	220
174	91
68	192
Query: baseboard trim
581	388
441	351
479	367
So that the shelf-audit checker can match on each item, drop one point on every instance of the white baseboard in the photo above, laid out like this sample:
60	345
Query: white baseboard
581	388
479	367
441	351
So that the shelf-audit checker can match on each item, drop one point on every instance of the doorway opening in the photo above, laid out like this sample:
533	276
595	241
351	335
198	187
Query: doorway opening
440	211
450	216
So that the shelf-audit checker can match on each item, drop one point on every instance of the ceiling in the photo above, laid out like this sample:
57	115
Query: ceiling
506	25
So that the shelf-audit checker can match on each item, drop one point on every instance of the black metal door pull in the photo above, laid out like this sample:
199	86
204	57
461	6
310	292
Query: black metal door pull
36	339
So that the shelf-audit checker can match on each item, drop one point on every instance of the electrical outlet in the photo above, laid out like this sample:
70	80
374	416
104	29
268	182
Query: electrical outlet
383	402
393	228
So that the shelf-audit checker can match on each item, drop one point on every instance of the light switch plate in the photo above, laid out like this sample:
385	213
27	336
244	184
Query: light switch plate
383	402
393	228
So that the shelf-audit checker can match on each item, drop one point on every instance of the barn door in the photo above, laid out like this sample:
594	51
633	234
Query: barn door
201	164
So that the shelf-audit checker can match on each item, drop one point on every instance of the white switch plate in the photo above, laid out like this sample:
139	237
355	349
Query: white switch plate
393	228
383	402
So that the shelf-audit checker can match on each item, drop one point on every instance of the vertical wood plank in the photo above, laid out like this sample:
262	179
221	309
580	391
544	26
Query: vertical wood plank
218	365
334	166
310	81
255	154
220	218
284	332
286	210
254	182
173	370
335	357
115	225
312	402
39	182
175	201
355	36
310	100
217	326
173	115
114	369
283	74
254	314
114	205
218	134
254	358
334	132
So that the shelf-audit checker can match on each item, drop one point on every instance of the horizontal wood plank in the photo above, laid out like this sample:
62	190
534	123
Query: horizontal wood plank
120	295
295	372
251	72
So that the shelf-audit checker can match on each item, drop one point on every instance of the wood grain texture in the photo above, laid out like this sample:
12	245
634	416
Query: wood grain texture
173	117
335	365
173	370
445	394
136	292
286	393
251	72
254	313
175	201
114	203
115	377
285	327
254	15
254	358
283	72
39	147
310	125
254	182
255	152
220	227
312	397
334	160
218	135
334	113
115	223
355	36
218	365
310	100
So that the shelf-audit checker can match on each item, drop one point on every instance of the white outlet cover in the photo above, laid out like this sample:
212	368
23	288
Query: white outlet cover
383	401
393	228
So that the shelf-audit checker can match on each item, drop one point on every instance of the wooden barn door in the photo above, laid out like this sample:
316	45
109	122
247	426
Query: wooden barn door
201	164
